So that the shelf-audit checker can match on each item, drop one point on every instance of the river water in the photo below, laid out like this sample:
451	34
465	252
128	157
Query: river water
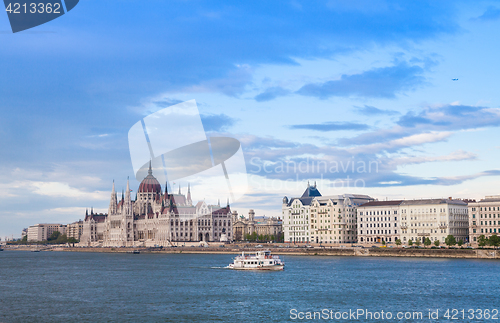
113	287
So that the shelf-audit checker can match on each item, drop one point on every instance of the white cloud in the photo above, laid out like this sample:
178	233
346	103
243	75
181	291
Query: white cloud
458	155
408	141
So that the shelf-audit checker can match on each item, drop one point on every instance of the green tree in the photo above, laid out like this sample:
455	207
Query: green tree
398	242
410	242
427	242
460	242
436	243
418	242
494	241
482	241
383	242
450	240
54	236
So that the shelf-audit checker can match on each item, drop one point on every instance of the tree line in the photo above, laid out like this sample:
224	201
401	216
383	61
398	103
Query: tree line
254	237
55	238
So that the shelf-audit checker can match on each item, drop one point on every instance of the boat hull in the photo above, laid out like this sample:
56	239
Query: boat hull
270	268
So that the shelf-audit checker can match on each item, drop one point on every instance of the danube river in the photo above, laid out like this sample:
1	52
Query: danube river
116	287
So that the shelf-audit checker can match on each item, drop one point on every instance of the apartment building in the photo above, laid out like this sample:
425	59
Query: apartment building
484	218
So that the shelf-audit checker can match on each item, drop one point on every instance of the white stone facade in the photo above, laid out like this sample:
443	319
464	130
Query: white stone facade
333	218
379	221
434	219
155	218
484	218
318	219
296	215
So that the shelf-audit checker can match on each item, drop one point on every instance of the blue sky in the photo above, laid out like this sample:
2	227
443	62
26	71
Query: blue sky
332	83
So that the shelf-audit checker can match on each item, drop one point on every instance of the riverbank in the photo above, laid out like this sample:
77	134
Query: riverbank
235	249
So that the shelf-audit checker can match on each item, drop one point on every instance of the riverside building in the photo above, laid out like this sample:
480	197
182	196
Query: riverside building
434	219
42	231
156	218
262	225
379	221
333	218
484	218
295	212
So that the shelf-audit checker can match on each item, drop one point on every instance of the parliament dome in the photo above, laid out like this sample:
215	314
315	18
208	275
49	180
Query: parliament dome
150	183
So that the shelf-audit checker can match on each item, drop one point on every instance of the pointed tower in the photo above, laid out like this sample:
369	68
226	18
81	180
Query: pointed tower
127	194
150	171
189	201
128	218
113	203
179	189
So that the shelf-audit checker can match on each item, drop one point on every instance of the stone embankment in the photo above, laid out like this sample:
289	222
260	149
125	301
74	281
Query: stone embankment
317	251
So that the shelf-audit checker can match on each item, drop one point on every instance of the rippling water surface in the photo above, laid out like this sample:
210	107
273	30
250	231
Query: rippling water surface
102	287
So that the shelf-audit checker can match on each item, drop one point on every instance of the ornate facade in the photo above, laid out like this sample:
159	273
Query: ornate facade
262	225
155	218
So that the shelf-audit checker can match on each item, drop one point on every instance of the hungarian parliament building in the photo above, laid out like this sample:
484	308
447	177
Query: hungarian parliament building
156	218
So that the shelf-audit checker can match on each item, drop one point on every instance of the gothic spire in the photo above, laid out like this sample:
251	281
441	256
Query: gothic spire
189	194
179	189
113	202
128	190
150	171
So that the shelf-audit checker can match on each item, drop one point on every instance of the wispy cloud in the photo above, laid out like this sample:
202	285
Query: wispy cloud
492	13
459	155
372	111
372	164
232	84
405	142
331	126
441	119
271	94
383	82
217	122
452	117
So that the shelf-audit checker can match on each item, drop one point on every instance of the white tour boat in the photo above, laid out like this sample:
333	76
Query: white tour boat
260	260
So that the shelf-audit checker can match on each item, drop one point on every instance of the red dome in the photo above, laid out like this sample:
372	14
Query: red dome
150	183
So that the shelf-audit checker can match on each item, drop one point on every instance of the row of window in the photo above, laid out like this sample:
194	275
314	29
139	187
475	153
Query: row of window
486	216
378	219
378	232
487	208
378	212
